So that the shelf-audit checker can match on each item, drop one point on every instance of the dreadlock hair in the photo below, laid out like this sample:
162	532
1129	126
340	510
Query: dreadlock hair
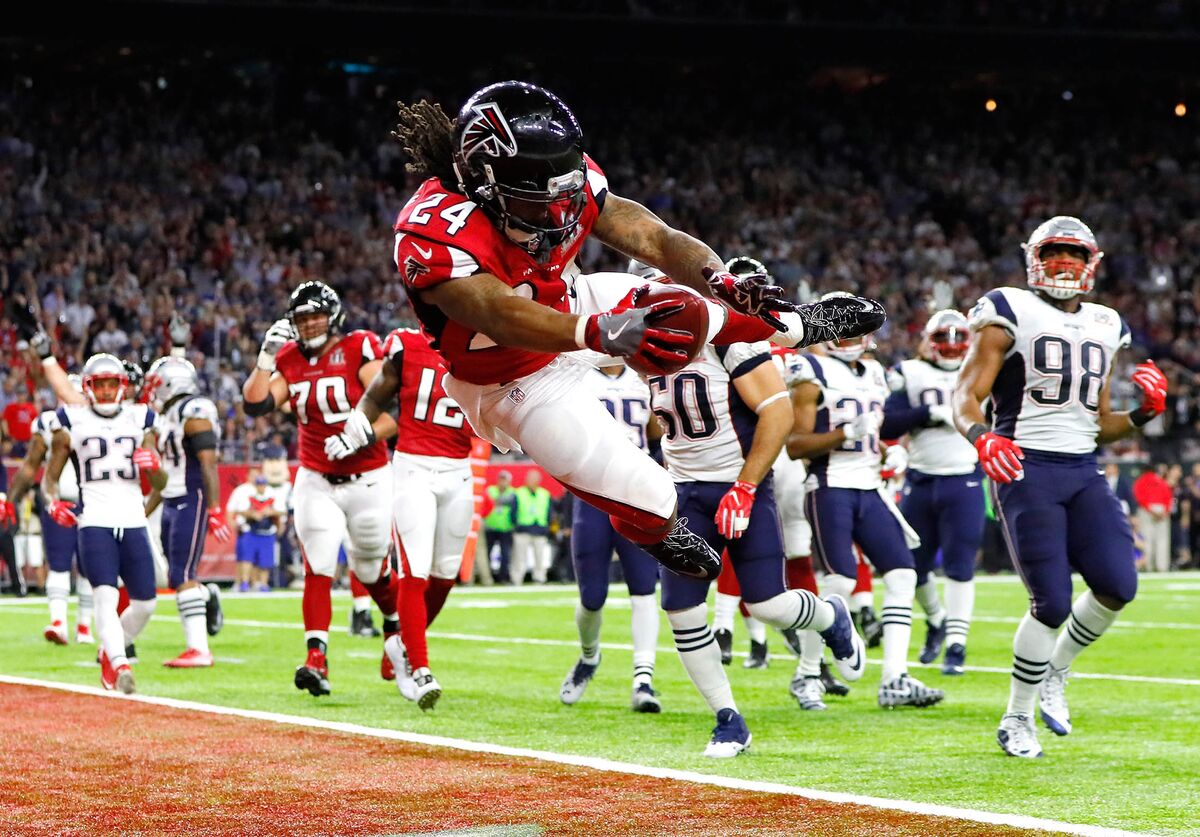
427	136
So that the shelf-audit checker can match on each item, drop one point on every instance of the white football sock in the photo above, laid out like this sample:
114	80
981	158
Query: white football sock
927	595
701	657
811	642
756	629
858	601
724	608
960	602
361	603
899	589
644	623
1088	620
135	617
58	587
109	632
796	610
192	615
1032	646
84	615
588	622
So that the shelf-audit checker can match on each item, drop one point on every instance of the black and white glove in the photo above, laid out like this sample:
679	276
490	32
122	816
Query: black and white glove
838	318
278	334
355	436
180	332
41	343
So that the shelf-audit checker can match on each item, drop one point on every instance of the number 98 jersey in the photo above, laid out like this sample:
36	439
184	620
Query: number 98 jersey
1047	394
846	393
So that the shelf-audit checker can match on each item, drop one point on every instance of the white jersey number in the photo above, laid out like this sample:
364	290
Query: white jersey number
445	412
331	396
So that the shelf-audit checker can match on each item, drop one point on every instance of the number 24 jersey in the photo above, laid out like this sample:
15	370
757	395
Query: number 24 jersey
1047	394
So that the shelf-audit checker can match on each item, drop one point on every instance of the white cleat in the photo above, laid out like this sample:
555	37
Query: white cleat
808	692
730	736
393	646
426	690
83	635
907	690
1052	700
576	681
1018	738
56	632
645	699
125	684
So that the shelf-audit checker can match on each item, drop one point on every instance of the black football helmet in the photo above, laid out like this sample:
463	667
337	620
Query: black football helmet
137	378
311	298
742	266
518	153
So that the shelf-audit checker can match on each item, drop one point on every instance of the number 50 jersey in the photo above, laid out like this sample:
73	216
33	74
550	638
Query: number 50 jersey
1047	394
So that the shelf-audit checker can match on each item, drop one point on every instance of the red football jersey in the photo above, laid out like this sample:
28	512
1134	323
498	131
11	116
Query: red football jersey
440	235
430	423
322	392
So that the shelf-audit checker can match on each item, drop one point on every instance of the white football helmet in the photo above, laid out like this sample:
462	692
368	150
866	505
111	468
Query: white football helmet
852	348
1058	277
949	337
104	367
168	379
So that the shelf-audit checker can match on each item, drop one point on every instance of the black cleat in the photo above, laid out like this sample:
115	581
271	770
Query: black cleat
313	676
214	617
131	654
839	318
791	638
368	630
935	638
833	686
870	627
724	640
758	656
685	553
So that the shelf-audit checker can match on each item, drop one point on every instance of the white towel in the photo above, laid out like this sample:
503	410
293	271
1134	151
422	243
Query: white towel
911	538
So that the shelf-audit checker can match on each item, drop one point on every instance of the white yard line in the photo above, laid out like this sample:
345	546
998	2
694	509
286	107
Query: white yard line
605	765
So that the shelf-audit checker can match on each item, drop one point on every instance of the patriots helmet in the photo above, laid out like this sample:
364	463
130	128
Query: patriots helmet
949	337
1062	277
99	375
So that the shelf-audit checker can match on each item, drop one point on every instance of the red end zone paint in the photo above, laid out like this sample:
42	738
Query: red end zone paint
77	764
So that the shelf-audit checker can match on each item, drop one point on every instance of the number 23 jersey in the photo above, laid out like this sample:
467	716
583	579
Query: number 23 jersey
1047	394
102	448
847	391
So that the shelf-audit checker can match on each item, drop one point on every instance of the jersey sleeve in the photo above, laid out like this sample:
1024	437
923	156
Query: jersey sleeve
200	408
393	347
1125	339
64	418
895	379
372	347
741	358
597	183
808	371
994	308
424	263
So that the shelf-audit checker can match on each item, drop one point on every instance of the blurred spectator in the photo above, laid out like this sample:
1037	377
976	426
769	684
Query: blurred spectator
257	513
1119	484
19	415
531	536
1155	498
499	520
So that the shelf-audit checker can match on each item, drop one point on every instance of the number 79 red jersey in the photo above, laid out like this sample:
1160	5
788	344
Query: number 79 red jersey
322	392
430	422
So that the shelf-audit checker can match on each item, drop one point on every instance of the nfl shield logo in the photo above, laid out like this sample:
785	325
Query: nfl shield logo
517	395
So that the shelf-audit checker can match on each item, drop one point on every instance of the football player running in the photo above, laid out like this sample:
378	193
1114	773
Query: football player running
942	496
487	250
726	417
838	401
1045	358
307	363
191	500
114	443
432	499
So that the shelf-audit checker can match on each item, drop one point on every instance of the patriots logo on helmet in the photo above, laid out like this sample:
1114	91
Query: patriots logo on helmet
488	132
413	269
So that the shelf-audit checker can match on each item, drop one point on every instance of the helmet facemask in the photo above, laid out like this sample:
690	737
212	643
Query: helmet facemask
1070	268
104	398
848	350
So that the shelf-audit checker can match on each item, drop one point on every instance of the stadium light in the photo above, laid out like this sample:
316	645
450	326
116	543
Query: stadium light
1067	95
990	105
1181	109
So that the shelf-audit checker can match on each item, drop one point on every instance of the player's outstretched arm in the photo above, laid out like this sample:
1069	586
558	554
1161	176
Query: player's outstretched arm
56	376
265	390
26	475
1153	384
804	442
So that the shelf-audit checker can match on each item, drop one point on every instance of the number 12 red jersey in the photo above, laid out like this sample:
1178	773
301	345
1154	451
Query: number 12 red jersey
430	422
322	391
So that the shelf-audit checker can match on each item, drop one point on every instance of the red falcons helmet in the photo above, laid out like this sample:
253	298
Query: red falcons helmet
949	337
1062	278
103	367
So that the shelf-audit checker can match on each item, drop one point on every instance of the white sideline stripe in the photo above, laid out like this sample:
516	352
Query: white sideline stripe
605	765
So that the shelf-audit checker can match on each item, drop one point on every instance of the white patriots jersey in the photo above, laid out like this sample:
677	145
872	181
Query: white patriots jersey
709	429
178	459
628	399
939	450
102	448
1047	394
68	481
847	391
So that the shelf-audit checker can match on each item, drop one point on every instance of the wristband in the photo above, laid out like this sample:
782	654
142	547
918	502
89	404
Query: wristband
581	331
266	362
50	361
1140	416
976	430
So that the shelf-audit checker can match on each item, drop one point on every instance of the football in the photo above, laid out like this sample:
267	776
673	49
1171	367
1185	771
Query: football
693	319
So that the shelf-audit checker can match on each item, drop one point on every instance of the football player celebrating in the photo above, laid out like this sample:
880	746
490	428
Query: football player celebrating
432	498
726	416
838	401
60	542
191	500
307	363
487	250
943	490
114	444
1045	358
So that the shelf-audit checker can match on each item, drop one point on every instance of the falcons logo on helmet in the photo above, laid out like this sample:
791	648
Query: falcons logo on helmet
413	269
488	132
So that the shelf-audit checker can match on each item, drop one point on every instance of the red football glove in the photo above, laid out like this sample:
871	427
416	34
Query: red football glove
733	515
146	459
1153	383
1000	458
217	525
630	332
8	512
62	512
753	295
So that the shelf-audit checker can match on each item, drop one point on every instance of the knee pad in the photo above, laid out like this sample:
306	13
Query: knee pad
777	610
841	585
143	607
367	570
900	583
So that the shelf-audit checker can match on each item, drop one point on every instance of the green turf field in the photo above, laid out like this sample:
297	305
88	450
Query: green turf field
1133	761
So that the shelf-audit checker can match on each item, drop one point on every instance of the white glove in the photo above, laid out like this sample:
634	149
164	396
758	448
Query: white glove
895	462
941	414
863	426
278	334
355	436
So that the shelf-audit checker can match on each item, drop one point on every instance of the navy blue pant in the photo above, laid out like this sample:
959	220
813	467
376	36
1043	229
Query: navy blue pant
842	517
505	542
1063	516
757	555
593	540
257	548
61	542
184	526
109	554
947	512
